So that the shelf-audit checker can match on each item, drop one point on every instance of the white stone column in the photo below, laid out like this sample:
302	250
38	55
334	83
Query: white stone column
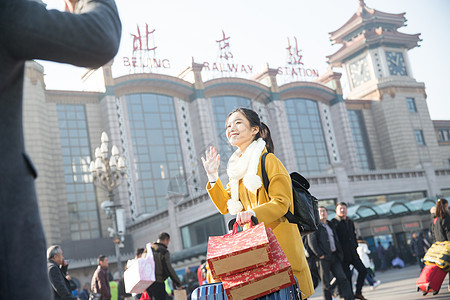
175	235
344	192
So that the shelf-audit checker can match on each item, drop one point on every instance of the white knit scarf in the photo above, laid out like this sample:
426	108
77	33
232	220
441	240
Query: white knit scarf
244	165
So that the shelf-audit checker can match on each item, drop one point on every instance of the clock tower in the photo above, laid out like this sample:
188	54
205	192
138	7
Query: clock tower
374	59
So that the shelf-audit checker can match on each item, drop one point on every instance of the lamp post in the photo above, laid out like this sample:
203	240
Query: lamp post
108	172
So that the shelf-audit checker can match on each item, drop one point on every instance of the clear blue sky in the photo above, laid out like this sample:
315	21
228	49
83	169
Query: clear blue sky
259	32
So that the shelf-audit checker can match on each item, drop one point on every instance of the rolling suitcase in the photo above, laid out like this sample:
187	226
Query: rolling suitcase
430	280
215	291
209	291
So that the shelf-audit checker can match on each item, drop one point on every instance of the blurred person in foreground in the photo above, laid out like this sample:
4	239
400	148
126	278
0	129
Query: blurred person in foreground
87	35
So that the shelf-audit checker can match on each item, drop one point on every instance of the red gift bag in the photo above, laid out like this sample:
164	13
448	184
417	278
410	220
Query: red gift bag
264	280
237	252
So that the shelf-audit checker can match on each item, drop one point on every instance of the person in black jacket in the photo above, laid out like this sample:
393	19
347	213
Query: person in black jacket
163	268
87	35
57	271
418	249
325	246
345	229
441	223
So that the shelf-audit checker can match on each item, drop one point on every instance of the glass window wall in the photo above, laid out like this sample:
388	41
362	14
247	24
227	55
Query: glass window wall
76	157
156	148
307	136
360	140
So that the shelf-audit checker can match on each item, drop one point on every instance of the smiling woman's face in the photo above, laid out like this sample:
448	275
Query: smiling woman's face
239	132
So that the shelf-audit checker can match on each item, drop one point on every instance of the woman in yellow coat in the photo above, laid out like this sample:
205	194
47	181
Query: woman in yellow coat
245	195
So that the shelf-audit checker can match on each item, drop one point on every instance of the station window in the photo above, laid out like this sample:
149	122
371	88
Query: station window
197	233
411	105
419	137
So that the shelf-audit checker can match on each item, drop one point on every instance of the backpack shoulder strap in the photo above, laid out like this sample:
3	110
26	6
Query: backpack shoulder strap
265	179
264	173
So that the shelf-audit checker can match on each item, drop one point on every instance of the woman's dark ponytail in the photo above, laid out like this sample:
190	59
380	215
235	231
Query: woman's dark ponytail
265	134
440	208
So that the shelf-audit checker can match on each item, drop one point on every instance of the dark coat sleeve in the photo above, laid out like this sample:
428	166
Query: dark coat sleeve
58	283
89	38
173	275
446	226
313	241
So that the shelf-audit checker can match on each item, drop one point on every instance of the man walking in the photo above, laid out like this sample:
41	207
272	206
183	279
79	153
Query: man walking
138	255
100	281
381	253
345	229
57	271
325	246
163	268
418	249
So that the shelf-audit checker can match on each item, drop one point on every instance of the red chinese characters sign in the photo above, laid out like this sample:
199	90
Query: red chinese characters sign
382	229
225	63
144	57
295	67
411	226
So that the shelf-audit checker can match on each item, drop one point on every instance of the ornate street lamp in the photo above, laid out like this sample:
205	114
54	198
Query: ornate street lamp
108	172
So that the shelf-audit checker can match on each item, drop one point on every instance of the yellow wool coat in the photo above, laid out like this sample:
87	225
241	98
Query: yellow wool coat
271	209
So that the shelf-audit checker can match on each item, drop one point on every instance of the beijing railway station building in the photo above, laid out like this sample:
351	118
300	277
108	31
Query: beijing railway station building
377	149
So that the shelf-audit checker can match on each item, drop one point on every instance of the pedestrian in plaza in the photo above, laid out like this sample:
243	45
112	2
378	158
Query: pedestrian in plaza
57	271
29	31
381	253
163	268
441	223
345	229
139	252
246	196
312	262
189	281
201	272
391	253
100	281
113	287
363	253
325	246
84	293
417	249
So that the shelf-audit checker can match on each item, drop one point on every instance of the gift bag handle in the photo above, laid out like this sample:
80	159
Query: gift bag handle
232	224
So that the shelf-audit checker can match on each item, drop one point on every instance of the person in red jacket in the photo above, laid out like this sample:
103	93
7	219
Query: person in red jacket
201	272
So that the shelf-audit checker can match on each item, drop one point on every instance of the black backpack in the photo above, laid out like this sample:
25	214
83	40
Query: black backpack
306	206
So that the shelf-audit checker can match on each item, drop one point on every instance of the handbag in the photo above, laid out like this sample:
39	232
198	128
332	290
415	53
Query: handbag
95	296
306	206
179	295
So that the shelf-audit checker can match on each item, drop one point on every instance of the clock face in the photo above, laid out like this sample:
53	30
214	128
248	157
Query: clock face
359	72
396	63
